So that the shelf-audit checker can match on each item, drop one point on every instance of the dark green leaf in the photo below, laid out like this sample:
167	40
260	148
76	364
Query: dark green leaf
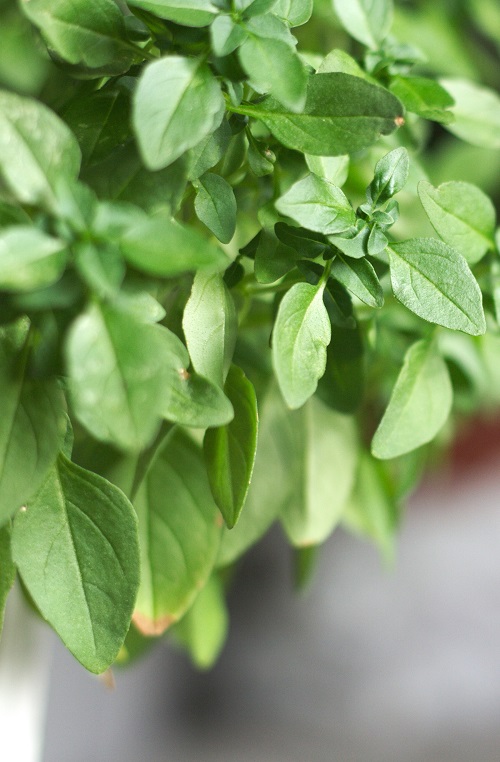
215	205
368	21
209	151
318	205
29	259
391	174
273	259
424	97
305	243
359	277
342	385
355	247
100	122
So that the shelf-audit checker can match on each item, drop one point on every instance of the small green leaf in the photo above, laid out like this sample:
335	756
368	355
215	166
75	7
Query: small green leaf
226	35
209	151
76	549
355	247
293	12
29	259
230	450
462	215
476	112
424	97
300	337
391	174
434	281
194	13
318	205
210	306
368	21
359	277
36	150
7	570
419	405
190	108
342	114
215	206
179	534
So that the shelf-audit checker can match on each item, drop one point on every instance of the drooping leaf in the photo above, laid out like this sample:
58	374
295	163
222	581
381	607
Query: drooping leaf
318	205
179	534
194	13
368	21
462	215
29	259
424	97
7	570
476	112
434	281
36	150
342	114
191	108
301	334
419	405
76	549
359	277
215	206
391	174
230	450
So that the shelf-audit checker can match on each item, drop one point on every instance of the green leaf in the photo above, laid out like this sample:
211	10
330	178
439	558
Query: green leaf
191	108
7	570
29	259
273	259
251	8
179	535
161	246
342	385
193	13
202	631
476	112
36	150
419	406
32	425
118	371
76	549
322	466
356	247
318	205
100	122
215	206
391	174
293	12
332	168
272	63
434	281
230	450
342	114
462	215
300	337
359	277
305	243
101	267
210	306
424	97
209	151
226	35
368	21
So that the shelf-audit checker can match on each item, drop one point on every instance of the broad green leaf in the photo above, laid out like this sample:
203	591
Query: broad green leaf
7	570
29	259
434	281
419	405
318	205
32	424
210	327
273	64
342	385
300	337
36	150
476	112
359	277
332	168
293	12
391	174
368	21
179	534
202	631
161	246
462	215
209	151
342	114
190	108
76	548
215	206
230	450
424	97
194	13
226	35
118	371
322	466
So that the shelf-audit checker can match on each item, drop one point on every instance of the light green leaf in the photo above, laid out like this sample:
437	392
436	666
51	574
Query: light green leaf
226	35
210	327
476	111
322	466
7	570
194	13
419	405
318	205
215	206
32	424
359	277
424	97
332	168
29	259
391	174
191	107
230	450
76	549
179	535
462	215
293	12
161	246
36	150
300	337
342	114
434	281
368	21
